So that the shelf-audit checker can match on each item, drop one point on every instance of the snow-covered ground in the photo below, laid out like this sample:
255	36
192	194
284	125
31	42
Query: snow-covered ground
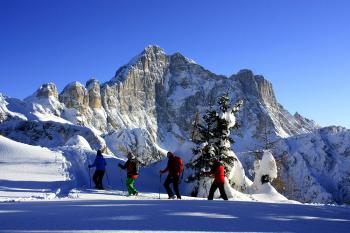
109	213
44	190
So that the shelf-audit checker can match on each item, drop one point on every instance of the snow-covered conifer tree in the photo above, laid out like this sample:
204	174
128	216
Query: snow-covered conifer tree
225	121
215	144
204	153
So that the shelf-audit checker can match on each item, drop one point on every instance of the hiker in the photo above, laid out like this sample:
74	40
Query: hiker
132	168
218	170
174	169
100	164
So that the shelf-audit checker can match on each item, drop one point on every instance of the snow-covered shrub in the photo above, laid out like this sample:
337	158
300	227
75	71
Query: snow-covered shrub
265	170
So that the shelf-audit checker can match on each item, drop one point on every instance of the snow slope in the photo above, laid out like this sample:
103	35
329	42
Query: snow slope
30	172
34	172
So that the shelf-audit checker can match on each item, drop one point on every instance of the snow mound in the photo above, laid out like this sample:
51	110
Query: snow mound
78	141
30	172
265	167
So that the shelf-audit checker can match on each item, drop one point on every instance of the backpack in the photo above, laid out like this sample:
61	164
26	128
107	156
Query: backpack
178	165
133	167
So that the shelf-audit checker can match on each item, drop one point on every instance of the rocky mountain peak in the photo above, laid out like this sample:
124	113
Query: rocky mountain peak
256	85
47	90
153	50
74	95
151	60
179	59
305	122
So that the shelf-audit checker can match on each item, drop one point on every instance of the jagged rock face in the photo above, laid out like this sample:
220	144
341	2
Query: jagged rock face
304	122
93	87
75	96
47	91
48	134
130	98
3	109
312	167
258	86
161	94
315	167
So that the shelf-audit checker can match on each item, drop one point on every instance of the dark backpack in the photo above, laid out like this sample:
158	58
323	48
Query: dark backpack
133	167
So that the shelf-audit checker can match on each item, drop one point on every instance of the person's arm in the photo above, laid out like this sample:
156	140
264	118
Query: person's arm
123	166
165	169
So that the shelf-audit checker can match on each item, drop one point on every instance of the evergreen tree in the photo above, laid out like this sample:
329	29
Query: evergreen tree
214	142
204	152
225	121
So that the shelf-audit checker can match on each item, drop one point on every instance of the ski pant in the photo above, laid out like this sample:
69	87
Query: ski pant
130	185
98	176
213	188
175	180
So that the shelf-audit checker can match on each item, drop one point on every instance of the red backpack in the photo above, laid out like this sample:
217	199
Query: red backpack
178	166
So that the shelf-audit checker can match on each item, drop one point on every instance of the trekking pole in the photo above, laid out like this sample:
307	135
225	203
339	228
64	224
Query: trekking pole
107	178
121	179
90	177
160	181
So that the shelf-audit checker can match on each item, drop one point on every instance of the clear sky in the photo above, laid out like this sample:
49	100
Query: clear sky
302	47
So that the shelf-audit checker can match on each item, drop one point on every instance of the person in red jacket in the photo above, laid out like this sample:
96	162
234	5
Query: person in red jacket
132	167
218	170
174	169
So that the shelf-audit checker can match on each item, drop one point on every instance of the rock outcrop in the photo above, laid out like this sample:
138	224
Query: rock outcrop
75	95
46	91
93	88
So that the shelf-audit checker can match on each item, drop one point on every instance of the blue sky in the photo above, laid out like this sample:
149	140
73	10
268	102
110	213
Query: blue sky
302	47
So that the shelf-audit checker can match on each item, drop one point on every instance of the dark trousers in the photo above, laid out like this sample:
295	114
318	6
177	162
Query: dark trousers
213	188
175	180
98	176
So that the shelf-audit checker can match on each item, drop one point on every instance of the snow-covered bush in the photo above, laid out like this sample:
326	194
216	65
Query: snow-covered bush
265	170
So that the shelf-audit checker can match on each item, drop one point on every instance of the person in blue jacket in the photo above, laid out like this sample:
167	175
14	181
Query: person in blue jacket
100	164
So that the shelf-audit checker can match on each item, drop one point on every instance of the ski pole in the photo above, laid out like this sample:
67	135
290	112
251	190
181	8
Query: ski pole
160	181
121	179
89	176
107	178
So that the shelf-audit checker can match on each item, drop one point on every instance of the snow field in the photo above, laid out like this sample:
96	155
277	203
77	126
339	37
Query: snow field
73	215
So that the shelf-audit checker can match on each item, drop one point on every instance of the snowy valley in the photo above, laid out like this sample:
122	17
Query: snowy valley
48	140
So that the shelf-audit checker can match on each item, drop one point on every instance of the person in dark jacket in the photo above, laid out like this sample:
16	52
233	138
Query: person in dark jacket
174	169
218	170
100	164
131	167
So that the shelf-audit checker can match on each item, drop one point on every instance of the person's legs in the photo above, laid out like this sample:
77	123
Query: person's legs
130	183
176	186
212	190
167	183
222	191
100	179
95	178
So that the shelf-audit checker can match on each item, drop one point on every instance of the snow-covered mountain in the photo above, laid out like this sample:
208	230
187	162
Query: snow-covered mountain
150	104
